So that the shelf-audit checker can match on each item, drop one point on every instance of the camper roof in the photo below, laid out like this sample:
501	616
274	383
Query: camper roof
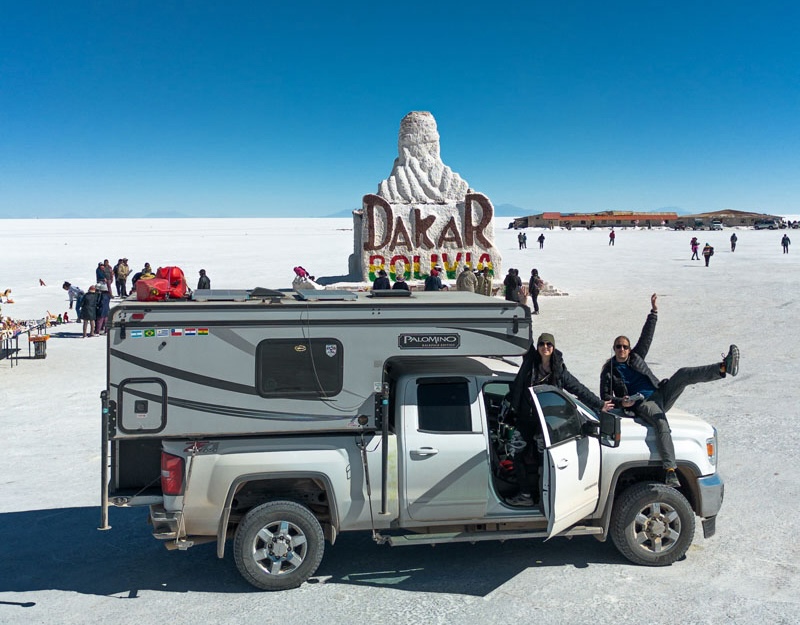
285	297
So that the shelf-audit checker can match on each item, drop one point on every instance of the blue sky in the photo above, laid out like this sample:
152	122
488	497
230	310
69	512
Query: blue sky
292	109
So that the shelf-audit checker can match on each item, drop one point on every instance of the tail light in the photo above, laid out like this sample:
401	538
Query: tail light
171	474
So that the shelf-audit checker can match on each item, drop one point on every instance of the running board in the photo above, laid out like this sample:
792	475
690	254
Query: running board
472	537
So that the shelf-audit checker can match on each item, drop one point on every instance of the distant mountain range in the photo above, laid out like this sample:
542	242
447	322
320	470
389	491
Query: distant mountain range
500	210
510	210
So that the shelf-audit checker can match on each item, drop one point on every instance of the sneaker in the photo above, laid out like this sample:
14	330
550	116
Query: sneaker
672	479
521	499
731	361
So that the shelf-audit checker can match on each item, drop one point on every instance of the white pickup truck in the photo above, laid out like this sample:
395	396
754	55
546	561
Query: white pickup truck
430	465
445	479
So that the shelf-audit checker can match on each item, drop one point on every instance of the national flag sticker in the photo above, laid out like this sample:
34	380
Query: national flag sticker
162	332
189	331
136	334
202	331
150	332
176	332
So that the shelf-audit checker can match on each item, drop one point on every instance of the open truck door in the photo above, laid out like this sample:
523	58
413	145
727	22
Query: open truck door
571	464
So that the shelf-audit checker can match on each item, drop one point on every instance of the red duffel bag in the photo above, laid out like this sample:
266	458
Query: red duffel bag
177	282
152	289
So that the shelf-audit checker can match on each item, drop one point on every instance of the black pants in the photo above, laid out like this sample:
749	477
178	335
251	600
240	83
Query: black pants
121	290
527	460
652	410
526	470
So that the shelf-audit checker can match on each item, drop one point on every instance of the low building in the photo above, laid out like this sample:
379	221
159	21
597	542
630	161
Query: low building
729	218
622	219
604	219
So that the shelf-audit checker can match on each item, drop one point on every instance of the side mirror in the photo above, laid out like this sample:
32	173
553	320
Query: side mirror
610	429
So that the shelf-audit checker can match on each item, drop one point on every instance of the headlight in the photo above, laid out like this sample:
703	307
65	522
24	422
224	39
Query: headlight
711	448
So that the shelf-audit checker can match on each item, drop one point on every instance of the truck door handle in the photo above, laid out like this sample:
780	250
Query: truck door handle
425	451
562	464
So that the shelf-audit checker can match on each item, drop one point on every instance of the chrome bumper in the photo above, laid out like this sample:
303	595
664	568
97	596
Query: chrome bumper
710	491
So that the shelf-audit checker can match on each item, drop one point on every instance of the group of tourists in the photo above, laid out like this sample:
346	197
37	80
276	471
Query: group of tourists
92	305
626	383
708	249
468	279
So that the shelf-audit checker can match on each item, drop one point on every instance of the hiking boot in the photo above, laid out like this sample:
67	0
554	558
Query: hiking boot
672	479
521	499
731	361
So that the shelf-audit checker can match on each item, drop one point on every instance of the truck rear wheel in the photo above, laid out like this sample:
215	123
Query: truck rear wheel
278	545
652	524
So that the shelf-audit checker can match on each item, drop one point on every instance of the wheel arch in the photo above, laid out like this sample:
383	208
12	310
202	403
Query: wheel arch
629	473
282	484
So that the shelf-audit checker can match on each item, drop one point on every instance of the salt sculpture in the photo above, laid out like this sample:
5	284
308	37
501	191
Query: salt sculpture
423	215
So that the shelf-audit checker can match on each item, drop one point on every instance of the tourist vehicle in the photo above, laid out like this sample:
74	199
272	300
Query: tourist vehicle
270	422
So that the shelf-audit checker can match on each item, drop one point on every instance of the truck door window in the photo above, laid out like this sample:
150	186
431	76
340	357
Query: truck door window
561	416
299	367
444	406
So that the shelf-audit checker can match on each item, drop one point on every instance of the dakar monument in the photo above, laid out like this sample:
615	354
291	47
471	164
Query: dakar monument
423	215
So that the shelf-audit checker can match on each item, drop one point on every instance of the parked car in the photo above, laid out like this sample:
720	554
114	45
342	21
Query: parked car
716	225
766	224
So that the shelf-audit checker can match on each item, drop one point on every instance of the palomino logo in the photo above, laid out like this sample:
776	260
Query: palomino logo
429	341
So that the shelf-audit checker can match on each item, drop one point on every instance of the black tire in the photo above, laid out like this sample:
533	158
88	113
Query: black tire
278	545
652	524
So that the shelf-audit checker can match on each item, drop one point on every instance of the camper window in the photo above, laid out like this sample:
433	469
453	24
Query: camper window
444	407
299	367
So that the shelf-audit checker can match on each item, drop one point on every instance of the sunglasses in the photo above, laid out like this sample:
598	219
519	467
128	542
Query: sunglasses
621	346
546	344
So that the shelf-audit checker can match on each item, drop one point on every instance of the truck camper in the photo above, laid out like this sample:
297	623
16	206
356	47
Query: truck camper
262	362
269	422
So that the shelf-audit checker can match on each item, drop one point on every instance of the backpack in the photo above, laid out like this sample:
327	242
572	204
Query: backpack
176	279
169	283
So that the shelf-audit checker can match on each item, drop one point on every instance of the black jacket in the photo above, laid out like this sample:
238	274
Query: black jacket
611	384
89	306
381	284
560	378
511	286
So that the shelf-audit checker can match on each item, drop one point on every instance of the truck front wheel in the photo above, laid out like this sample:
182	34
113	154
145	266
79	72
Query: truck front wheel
652	524
278	545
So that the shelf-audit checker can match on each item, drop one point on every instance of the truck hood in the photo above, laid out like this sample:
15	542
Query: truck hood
689	434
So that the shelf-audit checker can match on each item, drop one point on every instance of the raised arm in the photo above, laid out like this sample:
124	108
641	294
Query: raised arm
648	330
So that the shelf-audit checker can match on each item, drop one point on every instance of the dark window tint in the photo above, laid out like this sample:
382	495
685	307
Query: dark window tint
561	416
444	407
299	368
